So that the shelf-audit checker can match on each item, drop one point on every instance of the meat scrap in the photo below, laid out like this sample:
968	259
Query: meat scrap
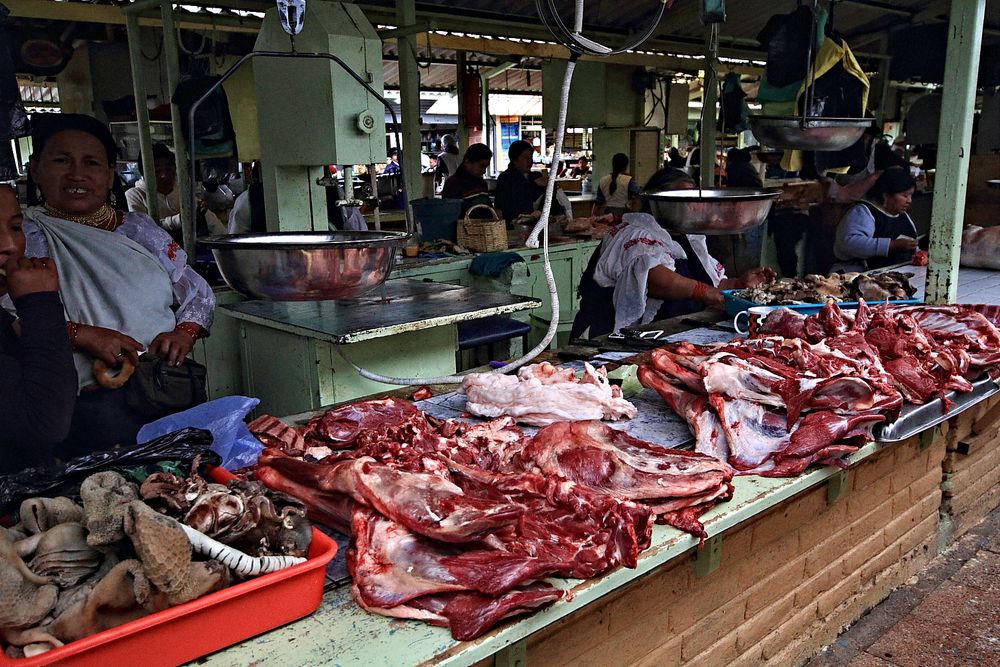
542	394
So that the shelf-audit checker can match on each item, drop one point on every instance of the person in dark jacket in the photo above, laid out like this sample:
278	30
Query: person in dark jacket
467	182
877	232
37	377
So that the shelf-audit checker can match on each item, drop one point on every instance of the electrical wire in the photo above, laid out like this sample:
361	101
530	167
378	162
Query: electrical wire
532	242
578	45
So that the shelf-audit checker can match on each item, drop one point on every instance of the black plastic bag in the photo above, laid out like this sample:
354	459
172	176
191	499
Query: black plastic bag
64	479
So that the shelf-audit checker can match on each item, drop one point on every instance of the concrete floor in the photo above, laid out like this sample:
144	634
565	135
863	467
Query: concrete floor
947	615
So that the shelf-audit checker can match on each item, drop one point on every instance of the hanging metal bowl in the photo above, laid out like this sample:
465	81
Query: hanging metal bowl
712	212
294	266
815	134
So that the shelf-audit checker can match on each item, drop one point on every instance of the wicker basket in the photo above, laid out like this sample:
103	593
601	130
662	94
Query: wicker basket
482	235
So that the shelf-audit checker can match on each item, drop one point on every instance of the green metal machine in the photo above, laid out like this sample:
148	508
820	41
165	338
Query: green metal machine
311	113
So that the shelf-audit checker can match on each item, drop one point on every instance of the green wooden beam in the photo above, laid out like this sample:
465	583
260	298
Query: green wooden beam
965	36
409	88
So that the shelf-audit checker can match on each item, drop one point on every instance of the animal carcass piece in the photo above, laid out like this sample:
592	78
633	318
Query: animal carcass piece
979	247
756	439
608	460
542	394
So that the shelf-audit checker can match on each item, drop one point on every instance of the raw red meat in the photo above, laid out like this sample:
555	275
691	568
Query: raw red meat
611	461
275	433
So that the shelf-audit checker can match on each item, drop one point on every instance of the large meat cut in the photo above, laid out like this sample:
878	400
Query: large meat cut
809	389
542	394
611	461
457	524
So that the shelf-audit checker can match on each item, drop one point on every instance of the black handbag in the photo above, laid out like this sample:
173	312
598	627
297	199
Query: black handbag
156	388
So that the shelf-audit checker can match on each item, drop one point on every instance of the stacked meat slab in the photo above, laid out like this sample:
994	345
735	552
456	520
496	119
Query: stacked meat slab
458	524
809	389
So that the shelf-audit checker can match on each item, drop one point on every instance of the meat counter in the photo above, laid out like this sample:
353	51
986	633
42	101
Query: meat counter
787	563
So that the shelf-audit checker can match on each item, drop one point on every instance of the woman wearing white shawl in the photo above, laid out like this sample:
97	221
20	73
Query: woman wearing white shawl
641	273
125	283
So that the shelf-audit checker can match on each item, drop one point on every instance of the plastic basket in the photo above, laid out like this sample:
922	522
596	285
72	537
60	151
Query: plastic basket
438	218
735	305
212	622
482	235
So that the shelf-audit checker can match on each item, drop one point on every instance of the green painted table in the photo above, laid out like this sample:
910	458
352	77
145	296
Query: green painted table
289	350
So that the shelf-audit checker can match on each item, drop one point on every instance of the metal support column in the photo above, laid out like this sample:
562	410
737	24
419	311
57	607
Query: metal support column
709	97
965	36
463	122
172	63
141	112
409	91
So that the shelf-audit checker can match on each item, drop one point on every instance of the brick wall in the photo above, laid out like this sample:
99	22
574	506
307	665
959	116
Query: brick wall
789	580
972	466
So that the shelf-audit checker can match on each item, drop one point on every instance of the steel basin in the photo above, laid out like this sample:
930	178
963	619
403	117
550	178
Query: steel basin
712	212
818	134
294	266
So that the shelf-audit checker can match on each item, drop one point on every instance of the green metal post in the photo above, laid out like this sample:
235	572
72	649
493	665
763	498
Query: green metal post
141	112
463	122
409	90
172	63
965	36
709	98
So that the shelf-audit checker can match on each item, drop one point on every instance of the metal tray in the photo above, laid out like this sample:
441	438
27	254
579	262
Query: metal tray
711	211
305	266
734	305
916	418
817	134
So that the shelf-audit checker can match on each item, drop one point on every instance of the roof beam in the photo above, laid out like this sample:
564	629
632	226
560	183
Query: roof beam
111	15
506	47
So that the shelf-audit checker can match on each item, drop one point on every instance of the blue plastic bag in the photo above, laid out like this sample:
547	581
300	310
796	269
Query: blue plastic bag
224	418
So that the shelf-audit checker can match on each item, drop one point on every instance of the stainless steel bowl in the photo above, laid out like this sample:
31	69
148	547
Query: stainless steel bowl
818	134
294	266
713	212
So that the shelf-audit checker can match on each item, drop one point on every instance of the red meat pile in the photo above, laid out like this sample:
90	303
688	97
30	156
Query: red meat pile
458	524
809	389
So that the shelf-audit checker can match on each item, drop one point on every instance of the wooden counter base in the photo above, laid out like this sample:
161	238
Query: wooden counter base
788	582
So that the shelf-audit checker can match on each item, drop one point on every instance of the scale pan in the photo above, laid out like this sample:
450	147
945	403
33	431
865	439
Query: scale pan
817	134
712	212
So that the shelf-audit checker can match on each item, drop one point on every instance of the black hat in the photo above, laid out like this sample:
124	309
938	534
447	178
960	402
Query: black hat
46	125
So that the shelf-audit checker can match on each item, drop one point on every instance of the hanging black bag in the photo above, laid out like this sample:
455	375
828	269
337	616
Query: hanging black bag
156	388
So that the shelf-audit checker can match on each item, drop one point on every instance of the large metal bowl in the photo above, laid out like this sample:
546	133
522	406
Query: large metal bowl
294	266
818	134
712	212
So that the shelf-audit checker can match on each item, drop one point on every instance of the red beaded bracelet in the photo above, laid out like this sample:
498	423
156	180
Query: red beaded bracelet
700	291
72	331
191	329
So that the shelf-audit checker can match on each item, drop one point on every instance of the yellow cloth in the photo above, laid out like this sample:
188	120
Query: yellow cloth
830	53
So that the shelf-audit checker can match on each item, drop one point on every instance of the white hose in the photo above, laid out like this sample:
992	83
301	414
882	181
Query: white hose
532	242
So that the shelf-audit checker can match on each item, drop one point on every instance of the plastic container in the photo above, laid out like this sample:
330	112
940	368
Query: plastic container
438	218
212	622
735	305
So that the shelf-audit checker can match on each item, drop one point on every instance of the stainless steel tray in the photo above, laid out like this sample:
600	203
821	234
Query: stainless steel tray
817	134
711	211
305	266
916	418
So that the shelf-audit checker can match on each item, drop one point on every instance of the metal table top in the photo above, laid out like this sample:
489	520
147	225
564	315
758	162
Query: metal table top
399	306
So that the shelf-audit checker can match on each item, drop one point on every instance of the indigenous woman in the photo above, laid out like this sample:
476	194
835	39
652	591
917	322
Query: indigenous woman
125	283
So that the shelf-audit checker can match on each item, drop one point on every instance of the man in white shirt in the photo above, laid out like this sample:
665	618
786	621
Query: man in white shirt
168	196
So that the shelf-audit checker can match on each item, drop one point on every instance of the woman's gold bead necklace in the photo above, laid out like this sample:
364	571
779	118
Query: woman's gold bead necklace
105	218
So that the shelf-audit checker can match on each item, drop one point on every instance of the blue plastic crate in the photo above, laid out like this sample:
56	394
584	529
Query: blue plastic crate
734	305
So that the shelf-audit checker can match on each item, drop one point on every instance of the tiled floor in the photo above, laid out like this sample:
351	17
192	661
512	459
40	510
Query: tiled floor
974	285
948	615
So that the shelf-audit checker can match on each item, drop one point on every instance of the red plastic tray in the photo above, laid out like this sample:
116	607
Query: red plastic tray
205	625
